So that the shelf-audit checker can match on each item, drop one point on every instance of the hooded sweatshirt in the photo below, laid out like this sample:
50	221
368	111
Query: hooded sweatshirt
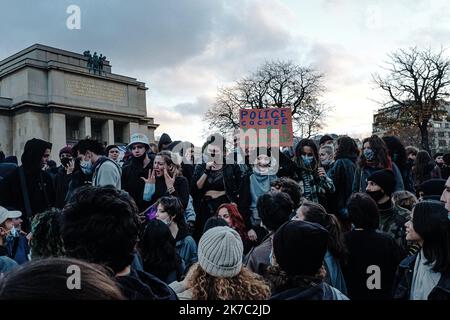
38	182
107	172
165	139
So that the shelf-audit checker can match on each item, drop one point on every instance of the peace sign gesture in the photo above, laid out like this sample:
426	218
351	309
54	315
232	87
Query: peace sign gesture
169	180
151	177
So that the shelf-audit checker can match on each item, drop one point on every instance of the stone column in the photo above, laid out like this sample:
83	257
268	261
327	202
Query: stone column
108	132
130	129
57	133
85	127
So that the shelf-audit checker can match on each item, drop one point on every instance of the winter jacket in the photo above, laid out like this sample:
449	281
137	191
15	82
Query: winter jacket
334	278
313	185
78	179
7	264
186	248
370	248
404	278
132	182
392	221
140	285
62	181
182	291
361	175
39	183
322	291
18	248
181	191
258	258
342	173
107	172
245	197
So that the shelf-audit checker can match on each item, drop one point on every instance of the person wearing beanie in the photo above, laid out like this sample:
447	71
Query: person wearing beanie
431	189
300	276
39	184
63	176
219	273
380	187
326	139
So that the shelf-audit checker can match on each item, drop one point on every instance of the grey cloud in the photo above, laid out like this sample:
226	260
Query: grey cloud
196	108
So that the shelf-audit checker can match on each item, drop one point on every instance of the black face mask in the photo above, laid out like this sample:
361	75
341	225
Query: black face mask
376	195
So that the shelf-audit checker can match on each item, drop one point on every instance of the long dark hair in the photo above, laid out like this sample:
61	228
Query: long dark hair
174	208
382	159
158	250
316	213
347	148
307	143
397	151
431	222
363	211
423	166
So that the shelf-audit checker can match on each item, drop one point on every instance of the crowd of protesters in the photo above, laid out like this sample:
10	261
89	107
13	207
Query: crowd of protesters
317	221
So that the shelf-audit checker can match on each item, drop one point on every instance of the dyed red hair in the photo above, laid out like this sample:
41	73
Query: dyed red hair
237	222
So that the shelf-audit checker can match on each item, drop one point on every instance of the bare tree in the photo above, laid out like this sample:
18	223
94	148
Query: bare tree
275	84
416	83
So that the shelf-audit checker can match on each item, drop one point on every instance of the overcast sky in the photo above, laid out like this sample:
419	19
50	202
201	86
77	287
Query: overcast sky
185	49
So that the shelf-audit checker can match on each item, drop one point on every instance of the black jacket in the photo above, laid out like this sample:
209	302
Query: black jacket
367	248
132	182
322	291
231	176
181	190
62	180
404	281
140	285
342	173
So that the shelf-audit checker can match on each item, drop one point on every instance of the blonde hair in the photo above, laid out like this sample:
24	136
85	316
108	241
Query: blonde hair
244	286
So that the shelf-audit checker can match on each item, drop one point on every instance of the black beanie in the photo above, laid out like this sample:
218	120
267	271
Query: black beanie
385	179
432	187
300	247
325	138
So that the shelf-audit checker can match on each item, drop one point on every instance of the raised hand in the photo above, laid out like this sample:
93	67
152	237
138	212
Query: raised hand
70	167
151	177
168	179
321	172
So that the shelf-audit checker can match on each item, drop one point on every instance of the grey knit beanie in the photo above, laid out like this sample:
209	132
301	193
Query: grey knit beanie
220	252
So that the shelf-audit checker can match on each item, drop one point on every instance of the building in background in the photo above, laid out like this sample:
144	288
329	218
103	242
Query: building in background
438	131
62	97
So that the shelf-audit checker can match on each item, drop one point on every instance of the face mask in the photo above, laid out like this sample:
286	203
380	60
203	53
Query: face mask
369	154
376	195
14	232
308	160
86	167
326	162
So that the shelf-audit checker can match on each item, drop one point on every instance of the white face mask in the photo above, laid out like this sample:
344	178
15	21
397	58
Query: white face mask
167	221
